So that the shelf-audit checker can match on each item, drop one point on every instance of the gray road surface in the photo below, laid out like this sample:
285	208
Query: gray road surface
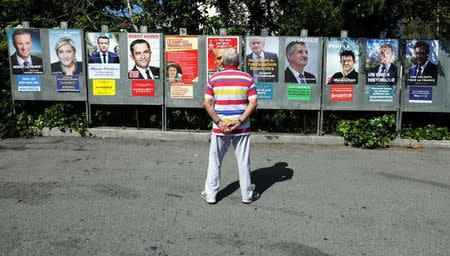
79	196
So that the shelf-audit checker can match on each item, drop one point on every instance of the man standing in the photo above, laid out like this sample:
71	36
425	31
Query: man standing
22	61
141	55
385	72
297	56
348	75
424	67
262	65
230	98
103	55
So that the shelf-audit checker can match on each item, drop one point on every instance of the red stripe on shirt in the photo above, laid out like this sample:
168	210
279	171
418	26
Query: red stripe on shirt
237	131
230	102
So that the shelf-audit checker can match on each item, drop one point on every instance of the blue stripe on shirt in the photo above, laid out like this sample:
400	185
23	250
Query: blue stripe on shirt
229	112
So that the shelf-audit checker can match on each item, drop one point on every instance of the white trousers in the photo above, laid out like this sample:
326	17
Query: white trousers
217	150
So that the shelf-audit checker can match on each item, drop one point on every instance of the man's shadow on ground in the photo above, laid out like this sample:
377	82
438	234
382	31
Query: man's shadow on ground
263	179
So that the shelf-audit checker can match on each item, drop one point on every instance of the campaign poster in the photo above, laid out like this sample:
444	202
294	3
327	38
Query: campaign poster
264	91
180	90
216	47
28	83
144	52
342	61
104	87
382	62
262	58
381	93
420	94
25	51
422	62
66	52
181	59
299	92
103	55
341	93
143	88
301	62
68	83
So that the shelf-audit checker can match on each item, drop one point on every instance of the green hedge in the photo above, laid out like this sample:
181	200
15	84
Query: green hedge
372	133
23	124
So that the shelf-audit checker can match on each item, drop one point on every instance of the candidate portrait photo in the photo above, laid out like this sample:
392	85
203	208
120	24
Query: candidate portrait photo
66	55
301	60
25	51
143	56
101	48
422	62
342	61
382	63
262	58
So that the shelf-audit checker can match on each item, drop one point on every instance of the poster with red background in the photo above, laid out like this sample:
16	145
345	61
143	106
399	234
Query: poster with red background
182	51
216	46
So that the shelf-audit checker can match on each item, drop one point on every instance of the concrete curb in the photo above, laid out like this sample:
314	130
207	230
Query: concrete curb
423	143
257	137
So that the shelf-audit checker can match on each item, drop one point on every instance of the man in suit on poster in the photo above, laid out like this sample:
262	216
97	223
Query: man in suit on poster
424	67
22	61
297	56
348	74
262	65
103	55
141	54
386	71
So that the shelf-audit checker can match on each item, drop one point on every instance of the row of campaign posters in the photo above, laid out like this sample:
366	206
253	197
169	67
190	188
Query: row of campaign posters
262	61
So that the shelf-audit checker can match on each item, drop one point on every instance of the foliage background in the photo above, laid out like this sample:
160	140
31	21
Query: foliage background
406	19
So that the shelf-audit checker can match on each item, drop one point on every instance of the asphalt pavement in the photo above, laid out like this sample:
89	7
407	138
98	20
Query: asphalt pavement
141	196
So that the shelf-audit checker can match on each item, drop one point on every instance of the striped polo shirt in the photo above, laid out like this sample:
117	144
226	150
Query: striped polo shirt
231	91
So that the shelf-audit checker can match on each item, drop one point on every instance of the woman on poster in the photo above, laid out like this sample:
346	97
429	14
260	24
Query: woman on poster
174	72
66	53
